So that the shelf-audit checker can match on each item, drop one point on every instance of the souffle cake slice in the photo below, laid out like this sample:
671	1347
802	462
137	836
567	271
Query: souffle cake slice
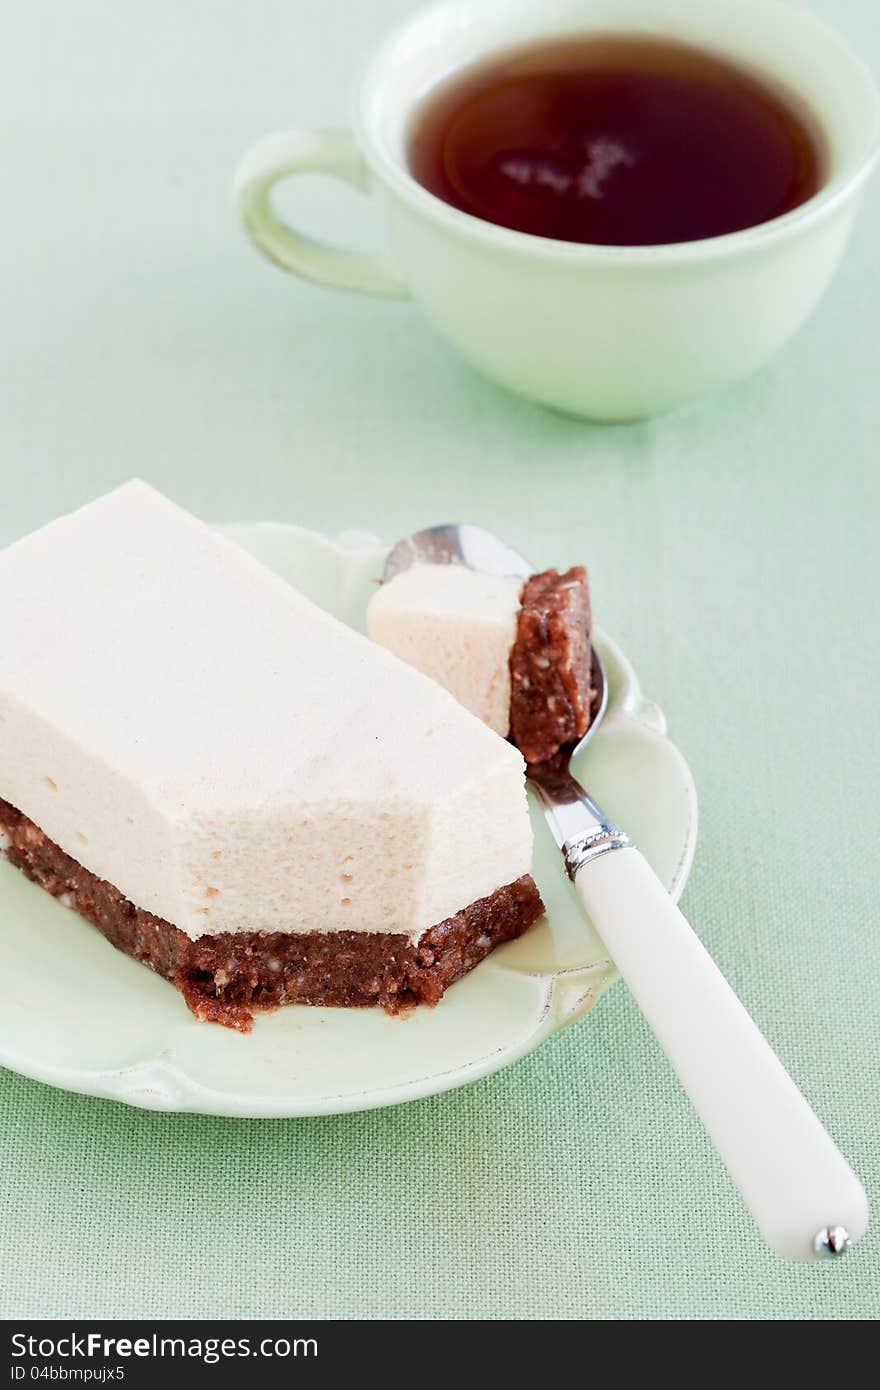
235	788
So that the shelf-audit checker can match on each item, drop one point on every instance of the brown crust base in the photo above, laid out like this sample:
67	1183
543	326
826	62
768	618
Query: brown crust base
551	690
223	978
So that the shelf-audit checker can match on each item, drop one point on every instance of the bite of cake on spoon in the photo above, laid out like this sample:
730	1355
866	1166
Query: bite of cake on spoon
513	649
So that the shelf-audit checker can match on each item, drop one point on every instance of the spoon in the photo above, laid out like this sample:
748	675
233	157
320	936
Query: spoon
802	1193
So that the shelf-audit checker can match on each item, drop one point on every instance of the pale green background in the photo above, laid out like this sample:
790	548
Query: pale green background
732	549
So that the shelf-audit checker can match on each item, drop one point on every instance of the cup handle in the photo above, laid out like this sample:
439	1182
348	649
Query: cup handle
288	152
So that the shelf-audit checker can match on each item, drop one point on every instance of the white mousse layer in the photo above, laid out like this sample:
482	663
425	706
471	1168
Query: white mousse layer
191	729
456	626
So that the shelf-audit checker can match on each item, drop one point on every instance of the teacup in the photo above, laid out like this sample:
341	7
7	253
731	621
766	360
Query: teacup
605	332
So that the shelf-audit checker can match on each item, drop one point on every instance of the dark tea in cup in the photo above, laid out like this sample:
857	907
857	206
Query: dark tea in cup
616	140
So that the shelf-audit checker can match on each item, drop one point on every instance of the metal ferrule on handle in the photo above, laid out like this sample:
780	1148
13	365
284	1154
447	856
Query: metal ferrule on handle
578	853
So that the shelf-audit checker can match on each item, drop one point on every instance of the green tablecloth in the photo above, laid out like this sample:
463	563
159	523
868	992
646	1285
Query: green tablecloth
733	554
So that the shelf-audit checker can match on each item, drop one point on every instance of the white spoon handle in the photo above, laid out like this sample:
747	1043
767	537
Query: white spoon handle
792	1176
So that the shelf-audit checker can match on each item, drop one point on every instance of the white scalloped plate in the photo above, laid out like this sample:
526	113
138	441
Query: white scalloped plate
76	1013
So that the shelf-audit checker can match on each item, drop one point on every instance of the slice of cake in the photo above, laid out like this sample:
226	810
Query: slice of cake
238	790
516	654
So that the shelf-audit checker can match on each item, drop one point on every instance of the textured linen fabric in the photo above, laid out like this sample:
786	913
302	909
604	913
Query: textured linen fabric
733	554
